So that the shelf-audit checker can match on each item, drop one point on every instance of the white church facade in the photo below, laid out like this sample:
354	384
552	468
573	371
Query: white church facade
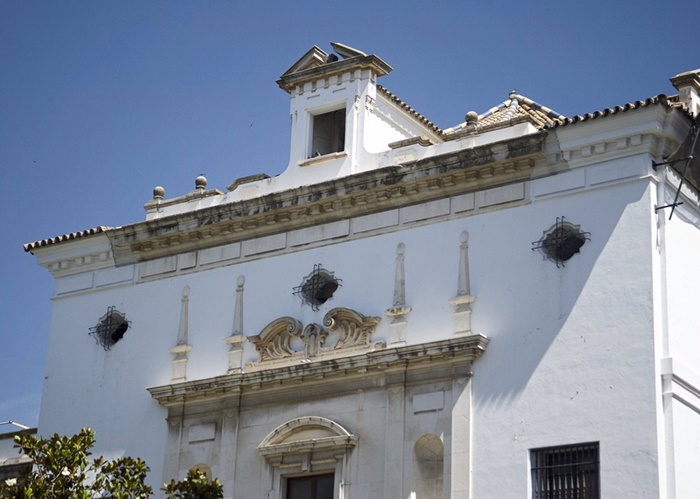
499	309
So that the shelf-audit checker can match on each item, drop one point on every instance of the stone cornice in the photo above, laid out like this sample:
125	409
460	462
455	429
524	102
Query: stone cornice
447	353
689	78
289	81
84	254
365	193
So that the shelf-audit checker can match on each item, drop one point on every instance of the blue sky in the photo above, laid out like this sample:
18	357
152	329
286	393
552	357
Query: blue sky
100	101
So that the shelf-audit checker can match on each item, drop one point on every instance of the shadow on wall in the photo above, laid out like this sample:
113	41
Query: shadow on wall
529	305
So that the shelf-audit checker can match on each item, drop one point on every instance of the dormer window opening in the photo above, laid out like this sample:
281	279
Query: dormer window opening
328	133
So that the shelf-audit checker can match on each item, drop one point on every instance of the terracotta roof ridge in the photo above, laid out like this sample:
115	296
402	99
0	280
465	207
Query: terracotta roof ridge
515	99
662	99
66	237
510	108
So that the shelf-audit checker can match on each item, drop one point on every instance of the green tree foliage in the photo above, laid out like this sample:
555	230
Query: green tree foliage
195	486
63	470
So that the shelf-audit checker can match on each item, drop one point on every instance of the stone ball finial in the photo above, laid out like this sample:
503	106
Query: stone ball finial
158	192
400	249
471	118
240	281
200	183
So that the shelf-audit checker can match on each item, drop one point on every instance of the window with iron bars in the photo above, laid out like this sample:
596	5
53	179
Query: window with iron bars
566	472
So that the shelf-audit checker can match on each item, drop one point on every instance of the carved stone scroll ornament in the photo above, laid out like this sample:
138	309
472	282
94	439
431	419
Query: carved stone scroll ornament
355	329
274	343
313	336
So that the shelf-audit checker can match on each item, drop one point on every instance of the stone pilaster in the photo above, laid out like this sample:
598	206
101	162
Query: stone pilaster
182	347
462	302
399	310
237	338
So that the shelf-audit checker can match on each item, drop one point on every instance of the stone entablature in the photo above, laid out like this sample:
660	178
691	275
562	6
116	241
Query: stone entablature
72	278
467	171
461	171
362	194
86	264
75	274
348	373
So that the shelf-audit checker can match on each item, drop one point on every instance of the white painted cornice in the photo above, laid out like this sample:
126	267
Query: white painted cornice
368	192
655	130
427	360
80	255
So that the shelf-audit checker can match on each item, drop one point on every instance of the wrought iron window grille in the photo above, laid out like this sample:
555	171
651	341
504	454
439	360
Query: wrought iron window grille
561	241
566	472
318	287
110	328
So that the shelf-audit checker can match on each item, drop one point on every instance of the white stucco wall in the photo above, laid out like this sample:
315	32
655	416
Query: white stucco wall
573	355
682	402
682	238
571	352
686	447
7	447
